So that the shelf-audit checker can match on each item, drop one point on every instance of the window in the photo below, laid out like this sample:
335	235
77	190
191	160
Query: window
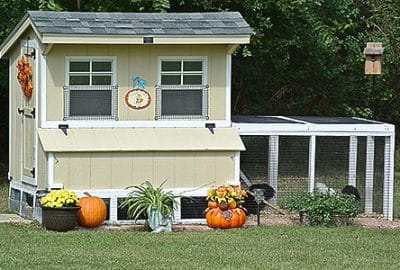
90	92
182	92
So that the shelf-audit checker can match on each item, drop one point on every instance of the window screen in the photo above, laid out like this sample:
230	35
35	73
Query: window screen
89	93
90	102
182	102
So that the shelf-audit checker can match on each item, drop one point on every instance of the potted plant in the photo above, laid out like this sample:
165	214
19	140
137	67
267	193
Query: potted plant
156	204
322	208
59	210
225	207
344	209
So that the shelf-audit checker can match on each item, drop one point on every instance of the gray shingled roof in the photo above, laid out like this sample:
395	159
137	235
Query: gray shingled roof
205	23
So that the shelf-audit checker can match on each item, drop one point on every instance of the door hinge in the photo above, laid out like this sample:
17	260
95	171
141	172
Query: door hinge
33	113
20	110
33	172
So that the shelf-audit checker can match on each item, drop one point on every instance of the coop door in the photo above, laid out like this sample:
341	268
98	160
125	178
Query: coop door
28	124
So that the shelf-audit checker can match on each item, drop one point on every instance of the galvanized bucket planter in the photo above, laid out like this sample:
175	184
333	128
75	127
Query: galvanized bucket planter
158	222
60	219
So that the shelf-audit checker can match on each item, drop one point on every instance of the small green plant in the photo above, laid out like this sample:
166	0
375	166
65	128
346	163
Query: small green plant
346	205
320	206
145	198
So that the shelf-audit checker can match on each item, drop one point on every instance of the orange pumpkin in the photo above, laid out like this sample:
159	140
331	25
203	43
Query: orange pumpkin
212	204
238	218
93	211
232	218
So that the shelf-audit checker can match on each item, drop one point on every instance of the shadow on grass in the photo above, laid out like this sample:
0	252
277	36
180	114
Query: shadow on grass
4	196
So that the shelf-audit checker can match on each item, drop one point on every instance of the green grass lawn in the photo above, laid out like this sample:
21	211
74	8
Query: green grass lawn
278	247
3	196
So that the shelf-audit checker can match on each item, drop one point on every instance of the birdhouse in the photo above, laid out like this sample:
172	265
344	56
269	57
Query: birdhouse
373	58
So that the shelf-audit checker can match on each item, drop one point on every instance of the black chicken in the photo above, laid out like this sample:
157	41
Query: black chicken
351	190
251	205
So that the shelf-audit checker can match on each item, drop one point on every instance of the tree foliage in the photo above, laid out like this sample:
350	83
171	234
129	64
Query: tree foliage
305	57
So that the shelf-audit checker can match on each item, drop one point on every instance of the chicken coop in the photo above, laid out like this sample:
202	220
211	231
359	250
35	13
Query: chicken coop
100	101
294	154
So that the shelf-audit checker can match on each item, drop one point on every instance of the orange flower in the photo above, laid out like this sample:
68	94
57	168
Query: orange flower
24	76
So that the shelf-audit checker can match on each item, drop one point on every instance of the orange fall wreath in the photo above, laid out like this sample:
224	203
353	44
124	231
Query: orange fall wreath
25	77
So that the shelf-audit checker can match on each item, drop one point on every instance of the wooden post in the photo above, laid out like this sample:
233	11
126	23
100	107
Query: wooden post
369	175
388	175
311	163
273	160
352	161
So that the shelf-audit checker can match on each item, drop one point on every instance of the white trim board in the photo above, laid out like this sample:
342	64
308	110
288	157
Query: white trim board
228	82
23	187
237	169
315	129
36	118
107	193
50	169
11	40
11	112
138	39
315	133
114	194
135	124
29	180
43	90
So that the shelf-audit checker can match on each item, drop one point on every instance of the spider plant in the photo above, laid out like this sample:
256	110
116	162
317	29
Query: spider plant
145	198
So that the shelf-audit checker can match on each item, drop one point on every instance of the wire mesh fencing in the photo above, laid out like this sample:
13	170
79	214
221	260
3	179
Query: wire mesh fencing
338	161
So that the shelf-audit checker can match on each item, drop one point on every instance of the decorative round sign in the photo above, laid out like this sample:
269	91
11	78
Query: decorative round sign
137	99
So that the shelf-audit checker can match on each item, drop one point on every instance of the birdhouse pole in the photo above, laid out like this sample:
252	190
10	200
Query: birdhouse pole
373	64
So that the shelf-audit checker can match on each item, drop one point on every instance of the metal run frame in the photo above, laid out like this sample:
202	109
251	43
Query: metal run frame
312	130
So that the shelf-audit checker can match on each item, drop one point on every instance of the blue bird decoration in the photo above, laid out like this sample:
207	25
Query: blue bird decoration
138	82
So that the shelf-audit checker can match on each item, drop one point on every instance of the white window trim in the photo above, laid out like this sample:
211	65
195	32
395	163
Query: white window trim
113	59
113	73
204	73
204	59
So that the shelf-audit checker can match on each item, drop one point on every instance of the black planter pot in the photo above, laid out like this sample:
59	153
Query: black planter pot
60	219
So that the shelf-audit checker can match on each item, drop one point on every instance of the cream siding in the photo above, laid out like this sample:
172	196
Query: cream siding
55	79
41	170
141	60
17	100
140	139
15	95
118	170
